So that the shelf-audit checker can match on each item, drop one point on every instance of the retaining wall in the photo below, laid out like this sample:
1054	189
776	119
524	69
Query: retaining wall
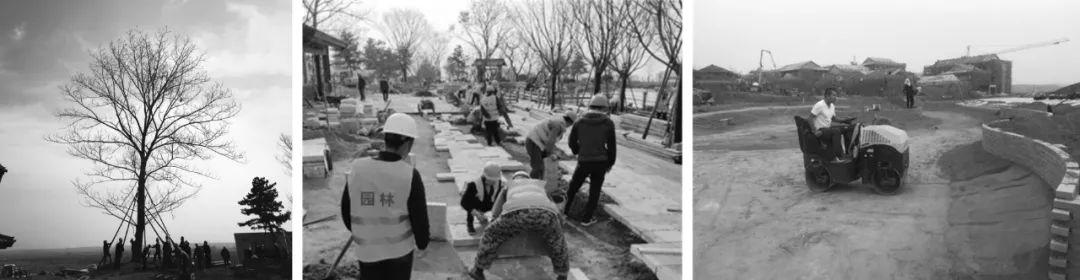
1061	172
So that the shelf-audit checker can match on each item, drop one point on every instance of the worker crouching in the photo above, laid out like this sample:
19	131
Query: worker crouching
479	196
385	205
522	207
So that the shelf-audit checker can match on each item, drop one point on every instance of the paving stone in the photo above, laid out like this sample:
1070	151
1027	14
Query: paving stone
577	274
1060	215
437	221
1067	204
1058	230
1066	191
1058	245
1059	261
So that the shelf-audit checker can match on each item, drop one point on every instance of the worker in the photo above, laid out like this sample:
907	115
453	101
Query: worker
384	87
479	196
384	207
360	85
909	93
489	108
187	271
824	113
522	207
477	94
106	257
225	256
157	249
592	139
209	257
196	258
541	141
119	253
167	251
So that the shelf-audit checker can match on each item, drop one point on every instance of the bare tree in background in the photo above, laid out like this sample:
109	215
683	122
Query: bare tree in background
601	23
657	25
547	28
517	56
405	30
436	45
285	157
485	26
629	58
143	114
317	12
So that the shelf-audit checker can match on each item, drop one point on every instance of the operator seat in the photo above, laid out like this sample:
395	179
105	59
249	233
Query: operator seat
808	142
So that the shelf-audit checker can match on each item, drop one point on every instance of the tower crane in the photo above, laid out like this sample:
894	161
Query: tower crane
1023	47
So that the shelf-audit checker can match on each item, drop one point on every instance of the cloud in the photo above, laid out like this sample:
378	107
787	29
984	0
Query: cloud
19	32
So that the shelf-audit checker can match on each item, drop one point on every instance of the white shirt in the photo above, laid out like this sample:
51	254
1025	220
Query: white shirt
823	114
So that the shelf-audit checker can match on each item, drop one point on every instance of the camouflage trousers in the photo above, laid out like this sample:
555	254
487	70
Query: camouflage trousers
545	222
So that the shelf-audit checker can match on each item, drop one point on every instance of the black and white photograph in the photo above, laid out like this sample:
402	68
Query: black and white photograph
492	139
844	139
145	139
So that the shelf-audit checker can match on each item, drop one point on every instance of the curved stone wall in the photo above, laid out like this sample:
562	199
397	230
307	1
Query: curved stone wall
1059	170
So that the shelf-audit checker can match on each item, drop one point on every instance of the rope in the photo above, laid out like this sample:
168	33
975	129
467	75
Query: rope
157	218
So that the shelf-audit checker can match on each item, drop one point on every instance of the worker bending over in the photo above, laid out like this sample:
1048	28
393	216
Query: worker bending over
479	196
542	139
384	206
523	207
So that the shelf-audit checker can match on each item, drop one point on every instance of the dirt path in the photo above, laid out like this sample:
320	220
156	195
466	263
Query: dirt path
755	218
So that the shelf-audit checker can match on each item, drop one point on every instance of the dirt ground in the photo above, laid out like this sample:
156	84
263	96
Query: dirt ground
50	261
601	251
962	213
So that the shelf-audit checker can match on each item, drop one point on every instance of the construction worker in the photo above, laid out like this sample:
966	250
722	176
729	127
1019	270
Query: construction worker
105	256
522	207
479	196
384	87
489	108
119	253
541	141
824	113
384	207
225	256
209	257
909	93
592	139
167	250
360	85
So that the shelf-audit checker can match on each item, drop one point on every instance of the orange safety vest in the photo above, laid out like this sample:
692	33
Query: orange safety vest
378	193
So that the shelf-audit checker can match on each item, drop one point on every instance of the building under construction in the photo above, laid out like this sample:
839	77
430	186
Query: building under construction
986	73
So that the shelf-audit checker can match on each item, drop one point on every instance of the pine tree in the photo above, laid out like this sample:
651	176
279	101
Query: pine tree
262	202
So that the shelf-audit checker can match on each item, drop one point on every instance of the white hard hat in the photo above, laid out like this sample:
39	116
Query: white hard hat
520	174
598	100
492	171
571	115
401	124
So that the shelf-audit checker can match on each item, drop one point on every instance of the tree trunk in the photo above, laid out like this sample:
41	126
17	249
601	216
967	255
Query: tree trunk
405	74
140	220
622	93
598	78
554	82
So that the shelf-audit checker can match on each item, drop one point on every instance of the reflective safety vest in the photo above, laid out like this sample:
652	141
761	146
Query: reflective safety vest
527	194
378	193
490	104
479	182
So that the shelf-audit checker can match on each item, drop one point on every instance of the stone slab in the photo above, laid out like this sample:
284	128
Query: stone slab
437	221
1058	245
577	274
1066	191
1071	205
660	259
1058	230
1060	215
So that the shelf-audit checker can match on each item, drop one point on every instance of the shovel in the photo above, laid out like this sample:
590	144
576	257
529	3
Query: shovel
338	260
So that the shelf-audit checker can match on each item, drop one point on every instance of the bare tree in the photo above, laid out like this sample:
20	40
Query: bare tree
518	57
485	26
285	157
317	12
437	45
601	24
657	25
143	114
629	58
405	30
547	29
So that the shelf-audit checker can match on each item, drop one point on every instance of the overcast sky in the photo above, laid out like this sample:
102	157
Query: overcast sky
44	43
730	34
441	14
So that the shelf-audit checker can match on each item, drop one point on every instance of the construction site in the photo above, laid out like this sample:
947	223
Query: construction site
989	190
638	229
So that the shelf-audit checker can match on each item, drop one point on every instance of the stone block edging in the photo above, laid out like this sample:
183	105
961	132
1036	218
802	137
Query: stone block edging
1061	172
